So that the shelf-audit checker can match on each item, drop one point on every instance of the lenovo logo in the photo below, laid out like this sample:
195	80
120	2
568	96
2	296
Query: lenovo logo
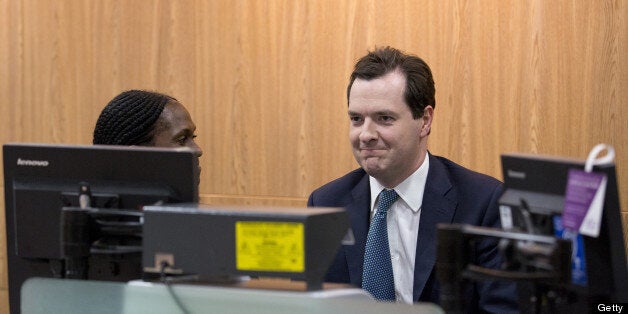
34	163
516	174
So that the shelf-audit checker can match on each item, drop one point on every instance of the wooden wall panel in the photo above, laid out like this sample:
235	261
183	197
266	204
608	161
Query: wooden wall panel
265	80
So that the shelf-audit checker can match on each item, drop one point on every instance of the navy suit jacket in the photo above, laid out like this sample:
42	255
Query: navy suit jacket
453	194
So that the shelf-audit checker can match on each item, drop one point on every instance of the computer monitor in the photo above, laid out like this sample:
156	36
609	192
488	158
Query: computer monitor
535	189
41	183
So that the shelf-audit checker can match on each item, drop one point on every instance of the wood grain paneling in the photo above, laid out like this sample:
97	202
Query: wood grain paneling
252	200
265	80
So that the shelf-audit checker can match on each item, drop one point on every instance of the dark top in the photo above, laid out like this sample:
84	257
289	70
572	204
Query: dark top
453	194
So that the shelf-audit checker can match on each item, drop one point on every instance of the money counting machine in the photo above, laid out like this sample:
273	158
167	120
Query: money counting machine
227	243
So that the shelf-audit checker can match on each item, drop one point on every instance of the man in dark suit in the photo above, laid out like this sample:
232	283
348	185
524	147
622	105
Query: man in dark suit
391	107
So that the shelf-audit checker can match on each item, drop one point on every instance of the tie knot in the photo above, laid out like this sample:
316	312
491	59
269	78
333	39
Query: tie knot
386	199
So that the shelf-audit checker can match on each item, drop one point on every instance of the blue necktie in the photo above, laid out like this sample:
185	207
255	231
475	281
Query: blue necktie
377	277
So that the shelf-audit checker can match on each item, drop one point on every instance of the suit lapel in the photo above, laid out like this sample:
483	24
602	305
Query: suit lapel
439	205
358	211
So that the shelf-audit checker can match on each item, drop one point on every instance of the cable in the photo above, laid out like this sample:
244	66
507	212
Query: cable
168	282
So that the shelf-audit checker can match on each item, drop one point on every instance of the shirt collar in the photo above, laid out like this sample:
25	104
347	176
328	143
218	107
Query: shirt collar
410	190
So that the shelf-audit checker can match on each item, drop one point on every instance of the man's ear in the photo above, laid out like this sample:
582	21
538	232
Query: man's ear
428	116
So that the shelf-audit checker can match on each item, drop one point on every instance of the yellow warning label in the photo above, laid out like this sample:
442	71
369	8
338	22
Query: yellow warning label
270	246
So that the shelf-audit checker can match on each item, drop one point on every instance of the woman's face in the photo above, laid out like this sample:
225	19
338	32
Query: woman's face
175	128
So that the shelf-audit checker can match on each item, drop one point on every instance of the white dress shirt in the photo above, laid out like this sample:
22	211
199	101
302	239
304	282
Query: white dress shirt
403	227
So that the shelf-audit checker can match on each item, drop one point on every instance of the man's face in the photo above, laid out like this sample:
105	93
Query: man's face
387	142
175	128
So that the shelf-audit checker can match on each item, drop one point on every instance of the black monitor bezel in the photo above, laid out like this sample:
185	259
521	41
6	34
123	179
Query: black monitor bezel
130	173
541	180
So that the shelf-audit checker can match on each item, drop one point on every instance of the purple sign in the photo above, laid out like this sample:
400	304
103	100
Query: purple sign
581	189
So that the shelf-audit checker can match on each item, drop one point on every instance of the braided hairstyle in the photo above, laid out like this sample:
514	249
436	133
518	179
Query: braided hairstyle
129	118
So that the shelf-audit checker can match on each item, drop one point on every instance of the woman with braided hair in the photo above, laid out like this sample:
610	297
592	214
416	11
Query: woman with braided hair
144	118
